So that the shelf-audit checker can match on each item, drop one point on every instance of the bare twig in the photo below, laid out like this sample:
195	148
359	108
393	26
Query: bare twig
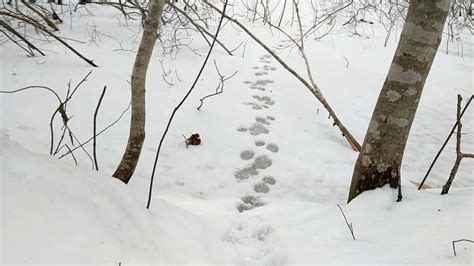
29	51
181	103
100	132
80	145
95	128
46	19
12	30
43	29
349	225
34	87
220	86
72	154
444	144
459	155
200	28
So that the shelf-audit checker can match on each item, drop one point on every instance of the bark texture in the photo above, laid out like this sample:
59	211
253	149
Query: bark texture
136	137
381	156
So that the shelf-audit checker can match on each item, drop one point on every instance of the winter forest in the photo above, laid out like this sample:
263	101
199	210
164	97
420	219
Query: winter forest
236	132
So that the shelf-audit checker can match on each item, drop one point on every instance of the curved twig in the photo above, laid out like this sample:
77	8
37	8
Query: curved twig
95	128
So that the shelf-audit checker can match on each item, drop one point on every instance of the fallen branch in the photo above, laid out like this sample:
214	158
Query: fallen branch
13	31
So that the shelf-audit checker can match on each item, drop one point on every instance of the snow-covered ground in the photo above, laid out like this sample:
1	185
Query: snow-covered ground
265	141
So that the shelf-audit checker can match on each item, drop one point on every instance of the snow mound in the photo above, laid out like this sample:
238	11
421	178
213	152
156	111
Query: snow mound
52	212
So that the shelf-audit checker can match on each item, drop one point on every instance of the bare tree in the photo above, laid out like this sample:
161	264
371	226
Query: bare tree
381	156
136	137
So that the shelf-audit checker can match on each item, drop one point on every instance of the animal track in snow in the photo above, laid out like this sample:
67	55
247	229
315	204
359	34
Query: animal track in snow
255	106
257	129
242	129
272	147
246	172
261	73
261	187
259	143
260	162
247	155
267	100
249	202
269	180
262	82
244	231
262	120
254	87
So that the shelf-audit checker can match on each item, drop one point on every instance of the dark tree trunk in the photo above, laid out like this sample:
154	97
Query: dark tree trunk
381	156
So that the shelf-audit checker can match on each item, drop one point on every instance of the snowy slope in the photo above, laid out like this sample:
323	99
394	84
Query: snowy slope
56	213
53	211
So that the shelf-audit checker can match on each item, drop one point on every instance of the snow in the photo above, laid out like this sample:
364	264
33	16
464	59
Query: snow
264	127
56	213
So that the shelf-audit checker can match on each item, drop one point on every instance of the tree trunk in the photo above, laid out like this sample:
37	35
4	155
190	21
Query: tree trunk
137	124
381	156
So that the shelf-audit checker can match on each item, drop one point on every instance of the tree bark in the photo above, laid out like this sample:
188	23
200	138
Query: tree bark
129	161
380	159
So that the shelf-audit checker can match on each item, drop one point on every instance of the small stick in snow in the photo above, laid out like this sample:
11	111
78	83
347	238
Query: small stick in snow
349	225
460	240
72	153
444	145
95	128
459	155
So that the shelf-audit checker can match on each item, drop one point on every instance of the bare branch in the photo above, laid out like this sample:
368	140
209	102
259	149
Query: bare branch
349	225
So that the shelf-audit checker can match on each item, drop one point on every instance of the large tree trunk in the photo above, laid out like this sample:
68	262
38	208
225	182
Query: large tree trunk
381	156
137	124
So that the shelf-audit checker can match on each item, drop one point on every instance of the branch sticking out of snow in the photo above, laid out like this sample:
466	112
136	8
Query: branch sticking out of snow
349	225
460	240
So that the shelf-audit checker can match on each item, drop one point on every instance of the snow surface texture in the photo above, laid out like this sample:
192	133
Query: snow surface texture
56	213
262	187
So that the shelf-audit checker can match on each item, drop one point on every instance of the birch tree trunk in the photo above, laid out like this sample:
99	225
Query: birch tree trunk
136	137
381	156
